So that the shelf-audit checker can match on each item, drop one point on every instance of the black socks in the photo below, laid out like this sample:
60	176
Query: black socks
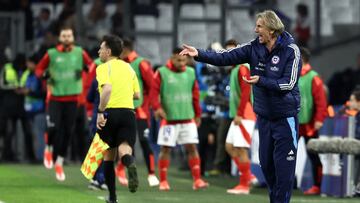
127	160
110	178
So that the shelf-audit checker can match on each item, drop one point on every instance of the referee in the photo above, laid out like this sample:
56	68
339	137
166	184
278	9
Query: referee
118	86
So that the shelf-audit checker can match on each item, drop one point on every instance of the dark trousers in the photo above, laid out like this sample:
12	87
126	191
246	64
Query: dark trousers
206	151
316	165
8	126
62	116
80	135
144	143
277	153
222	160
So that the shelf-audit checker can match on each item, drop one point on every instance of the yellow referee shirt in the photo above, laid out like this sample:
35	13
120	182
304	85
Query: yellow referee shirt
123	80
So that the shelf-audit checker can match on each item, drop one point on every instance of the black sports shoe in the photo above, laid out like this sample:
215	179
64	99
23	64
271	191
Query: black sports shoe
94	185
111	201
133	178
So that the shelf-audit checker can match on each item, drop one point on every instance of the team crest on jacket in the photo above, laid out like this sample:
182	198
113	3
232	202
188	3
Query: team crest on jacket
275	59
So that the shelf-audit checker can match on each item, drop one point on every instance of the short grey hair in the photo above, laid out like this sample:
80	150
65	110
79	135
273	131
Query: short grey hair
271	21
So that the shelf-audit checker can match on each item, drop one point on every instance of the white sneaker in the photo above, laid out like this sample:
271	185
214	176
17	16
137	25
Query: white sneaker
153	180
59	172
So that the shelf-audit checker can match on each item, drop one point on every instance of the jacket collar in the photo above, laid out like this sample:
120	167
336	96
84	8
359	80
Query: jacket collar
305	69
61	48
170	65
131	57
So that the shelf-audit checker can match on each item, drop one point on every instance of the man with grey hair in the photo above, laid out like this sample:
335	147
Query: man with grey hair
275	67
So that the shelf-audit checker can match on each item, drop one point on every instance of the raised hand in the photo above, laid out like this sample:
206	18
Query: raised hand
189	50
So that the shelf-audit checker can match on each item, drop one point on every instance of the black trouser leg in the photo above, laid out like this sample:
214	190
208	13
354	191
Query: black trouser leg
204	130
80	134
221	160
9	127
110	178
62	115
145	145
28	135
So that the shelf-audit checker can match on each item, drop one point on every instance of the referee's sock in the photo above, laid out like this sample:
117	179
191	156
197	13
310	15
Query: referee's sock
110	178
127	160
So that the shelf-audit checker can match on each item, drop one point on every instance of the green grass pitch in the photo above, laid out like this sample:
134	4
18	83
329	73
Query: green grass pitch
35	184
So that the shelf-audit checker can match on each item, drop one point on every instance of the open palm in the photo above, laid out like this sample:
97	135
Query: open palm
189	50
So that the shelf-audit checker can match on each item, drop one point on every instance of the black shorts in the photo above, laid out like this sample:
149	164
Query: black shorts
120	127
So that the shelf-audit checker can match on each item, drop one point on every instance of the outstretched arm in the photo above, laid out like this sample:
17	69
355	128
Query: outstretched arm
237	55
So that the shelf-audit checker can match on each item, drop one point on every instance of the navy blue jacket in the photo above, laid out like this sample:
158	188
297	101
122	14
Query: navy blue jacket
276	95
93	97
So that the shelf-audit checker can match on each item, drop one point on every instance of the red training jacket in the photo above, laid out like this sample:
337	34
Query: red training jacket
320	103
147	75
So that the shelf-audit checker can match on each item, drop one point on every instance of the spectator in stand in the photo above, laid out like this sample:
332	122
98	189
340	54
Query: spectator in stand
117	19
12	108
35	93
28	15
302	25
42	23
66	17
49	40
96	22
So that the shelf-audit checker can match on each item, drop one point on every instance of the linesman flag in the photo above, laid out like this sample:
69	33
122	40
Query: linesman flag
94	157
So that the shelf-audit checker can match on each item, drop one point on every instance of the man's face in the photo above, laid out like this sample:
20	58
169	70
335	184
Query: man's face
104	52
66	37
178	61
262	31
30	65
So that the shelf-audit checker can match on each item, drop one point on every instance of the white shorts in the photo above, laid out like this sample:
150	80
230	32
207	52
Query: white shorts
237	138
172	134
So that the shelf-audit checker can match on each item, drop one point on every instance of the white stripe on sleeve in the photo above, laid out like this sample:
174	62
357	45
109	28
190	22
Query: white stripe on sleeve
294	69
